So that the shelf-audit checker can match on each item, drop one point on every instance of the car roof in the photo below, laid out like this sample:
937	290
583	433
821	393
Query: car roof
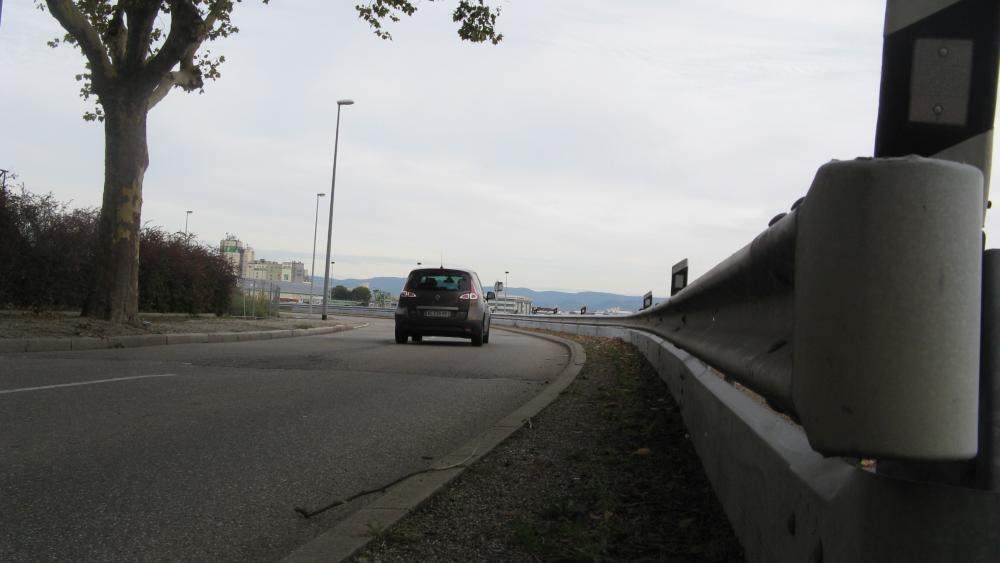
442	270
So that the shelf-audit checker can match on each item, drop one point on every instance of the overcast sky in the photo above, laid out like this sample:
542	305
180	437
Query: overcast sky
598	144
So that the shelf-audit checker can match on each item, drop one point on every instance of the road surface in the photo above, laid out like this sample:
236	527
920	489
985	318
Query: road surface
200	452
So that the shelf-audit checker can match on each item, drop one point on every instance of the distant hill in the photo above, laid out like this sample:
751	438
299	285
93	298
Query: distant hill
564	300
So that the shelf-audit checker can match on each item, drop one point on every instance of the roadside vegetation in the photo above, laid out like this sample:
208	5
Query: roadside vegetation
47	249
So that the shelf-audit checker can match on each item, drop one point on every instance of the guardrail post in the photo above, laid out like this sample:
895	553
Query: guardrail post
988	462
938	95
888	281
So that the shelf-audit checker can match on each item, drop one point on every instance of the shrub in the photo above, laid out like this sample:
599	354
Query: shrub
178	276
46	251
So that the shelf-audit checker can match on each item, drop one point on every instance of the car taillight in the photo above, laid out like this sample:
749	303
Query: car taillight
472	296
406	293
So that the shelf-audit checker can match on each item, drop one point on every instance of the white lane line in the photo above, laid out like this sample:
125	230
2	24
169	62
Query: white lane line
363	325
23	389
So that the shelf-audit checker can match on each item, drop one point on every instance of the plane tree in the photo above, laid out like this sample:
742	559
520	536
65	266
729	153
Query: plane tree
138	51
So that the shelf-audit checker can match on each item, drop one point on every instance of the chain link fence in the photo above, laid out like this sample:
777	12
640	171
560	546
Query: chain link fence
255	299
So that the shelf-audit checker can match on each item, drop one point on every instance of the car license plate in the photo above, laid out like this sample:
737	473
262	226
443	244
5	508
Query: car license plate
438	314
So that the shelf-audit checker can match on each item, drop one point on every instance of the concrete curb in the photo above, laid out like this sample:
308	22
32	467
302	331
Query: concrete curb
354	532
21	345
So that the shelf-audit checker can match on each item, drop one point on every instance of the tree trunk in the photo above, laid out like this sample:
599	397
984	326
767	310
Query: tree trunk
114	281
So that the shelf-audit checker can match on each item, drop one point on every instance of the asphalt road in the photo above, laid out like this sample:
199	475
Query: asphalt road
200	452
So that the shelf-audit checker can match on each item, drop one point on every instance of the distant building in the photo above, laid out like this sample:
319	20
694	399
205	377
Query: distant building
265	270
241	257
238	255
294	272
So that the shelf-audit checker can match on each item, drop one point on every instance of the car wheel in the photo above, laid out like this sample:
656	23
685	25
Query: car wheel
417	338
400	336
486	336
477	339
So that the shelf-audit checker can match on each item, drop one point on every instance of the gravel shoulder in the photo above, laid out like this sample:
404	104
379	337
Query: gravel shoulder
605	473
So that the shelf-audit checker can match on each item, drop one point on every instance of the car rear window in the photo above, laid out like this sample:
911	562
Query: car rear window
441	282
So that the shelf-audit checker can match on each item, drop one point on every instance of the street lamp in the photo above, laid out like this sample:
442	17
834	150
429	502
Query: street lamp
505	282
186	216
312	269
333	185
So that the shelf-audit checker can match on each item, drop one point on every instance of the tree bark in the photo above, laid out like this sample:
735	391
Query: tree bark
114	279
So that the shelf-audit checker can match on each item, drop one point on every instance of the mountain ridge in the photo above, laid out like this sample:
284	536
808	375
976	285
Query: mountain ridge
564	300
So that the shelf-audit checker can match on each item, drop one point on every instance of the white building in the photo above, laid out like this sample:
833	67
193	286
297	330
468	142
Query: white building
264	270
238	255
294	272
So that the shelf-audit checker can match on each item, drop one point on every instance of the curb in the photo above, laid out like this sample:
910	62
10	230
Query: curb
22	345
354	532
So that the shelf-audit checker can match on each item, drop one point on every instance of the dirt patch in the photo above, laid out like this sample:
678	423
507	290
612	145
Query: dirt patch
71	325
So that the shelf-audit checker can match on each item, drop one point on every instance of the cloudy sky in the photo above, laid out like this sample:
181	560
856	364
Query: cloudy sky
601	142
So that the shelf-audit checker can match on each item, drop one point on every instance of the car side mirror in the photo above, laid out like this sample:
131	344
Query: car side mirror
490	296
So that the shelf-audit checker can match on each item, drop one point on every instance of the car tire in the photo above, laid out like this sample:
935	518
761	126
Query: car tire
417	338
486	336
400	337
477	339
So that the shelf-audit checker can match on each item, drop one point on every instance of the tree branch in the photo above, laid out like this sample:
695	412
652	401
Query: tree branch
185	25
76	24
141	19
189	75
161	90
117	35
187	31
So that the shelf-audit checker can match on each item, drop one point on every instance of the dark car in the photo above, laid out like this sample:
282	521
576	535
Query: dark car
443	302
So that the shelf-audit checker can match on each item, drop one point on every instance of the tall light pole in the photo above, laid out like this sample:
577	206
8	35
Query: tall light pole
333	185
312	269
186	216
505	281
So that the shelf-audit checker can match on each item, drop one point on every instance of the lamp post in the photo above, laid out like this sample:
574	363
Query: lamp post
333	185
186	216
312	269
505	281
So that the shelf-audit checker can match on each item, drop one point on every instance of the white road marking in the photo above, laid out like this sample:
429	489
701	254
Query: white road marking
23	389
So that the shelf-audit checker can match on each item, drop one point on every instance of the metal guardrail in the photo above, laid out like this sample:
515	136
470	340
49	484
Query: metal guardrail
857	313
785	501
339	310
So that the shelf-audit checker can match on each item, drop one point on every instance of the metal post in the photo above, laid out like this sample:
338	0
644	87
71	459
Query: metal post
988	461
506	303
333	186
186	216
312	269
938	94
253	301
938	98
